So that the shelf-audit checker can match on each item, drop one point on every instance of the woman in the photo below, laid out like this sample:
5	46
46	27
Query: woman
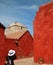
10	58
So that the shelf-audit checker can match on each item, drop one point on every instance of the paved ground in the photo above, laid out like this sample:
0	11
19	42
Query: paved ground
27	61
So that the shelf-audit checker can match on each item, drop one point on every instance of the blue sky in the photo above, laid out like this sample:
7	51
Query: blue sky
22	11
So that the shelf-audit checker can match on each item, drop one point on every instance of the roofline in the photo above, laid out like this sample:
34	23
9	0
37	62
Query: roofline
16	25
24	34
20	37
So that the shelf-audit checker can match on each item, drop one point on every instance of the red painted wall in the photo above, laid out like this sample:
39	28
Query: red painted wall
23	50
43	34
2	48
25	45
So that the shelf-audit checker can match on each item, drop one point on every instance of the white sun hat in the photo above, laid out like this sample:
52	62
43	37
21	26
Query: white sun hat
11	52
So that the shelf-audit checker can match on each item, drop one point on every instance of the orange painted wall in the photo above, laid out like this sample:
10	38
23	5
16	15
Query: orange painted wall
43	34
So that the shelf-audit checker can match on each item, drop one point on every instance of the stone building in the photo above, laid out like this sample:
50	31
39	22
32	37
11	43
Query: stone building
15	27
